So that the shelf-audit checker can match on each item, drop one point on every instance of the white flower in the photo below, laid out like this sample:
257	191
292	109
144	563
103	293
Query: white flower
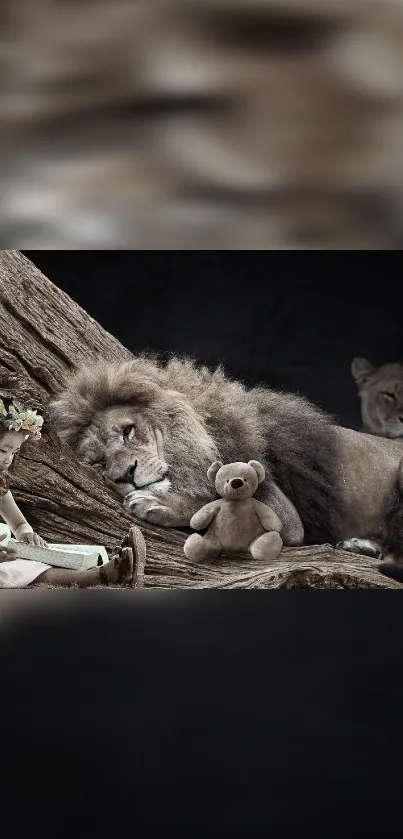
14	424
16	419
31	421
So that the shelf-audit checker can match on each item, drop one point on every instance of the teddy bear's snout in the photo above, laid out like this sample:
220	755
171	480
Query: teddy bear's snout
236	483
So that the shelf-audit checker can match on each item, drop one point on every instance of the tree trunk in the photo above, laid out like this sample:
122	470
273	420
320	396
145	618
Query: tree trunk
44	335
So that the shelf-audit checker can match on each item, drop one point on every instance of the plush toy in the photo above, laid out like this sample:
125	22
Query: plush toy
236	521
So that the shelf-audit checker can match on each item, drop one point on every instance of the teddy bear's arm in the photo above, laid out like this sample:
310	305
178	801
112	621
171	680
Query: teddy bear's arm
205	515
267	516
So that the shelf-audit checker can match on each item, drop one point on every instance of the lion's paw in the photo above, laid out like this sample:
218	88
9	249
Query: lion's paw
364	547
147	507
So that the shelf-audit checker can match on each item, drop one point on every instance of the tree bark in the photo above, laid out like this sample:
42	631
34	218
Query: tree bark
44	335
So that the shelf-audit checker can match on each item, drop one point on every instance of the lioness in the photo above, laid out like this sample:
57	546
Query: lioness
380	390
153	429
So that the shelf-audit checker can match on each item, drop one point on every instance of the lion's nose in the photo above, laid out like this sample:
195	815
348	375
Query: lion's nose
128	477
236	483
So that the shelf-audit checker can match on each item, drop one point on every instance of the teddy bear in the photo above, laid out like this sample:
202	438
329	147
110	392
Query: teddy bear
236	521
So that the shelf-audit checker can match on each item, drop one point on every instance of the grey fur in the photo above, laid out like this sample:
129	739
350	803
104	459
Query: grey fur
206	416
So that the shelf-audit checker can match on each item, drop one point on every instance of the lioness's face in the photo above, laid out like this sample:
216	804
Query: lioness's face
127	451
382	401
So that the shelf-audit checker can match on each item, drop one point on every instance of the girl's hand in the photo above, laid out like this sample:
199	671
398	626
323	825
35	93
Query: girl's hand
6	553
33	539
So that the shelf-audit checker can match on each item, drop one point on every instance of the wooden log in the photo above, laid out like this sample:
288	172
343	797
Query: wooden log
44	335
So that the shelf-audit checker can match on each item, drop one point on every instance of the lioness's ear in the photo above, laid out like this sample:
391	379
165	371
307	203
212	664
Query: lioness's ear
259	469
362	370
212	472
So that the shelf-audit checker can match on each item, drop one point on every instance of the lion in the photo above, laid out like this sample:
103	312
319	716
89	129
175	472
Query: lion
380	390
152	429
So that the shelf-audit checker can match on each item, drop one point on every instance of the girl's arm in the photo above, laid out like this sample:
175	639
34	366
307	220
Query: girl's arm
12	515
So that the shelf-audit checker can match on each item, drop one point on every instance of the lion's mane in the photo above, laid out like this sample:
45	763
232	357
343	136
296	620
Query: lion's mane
205	415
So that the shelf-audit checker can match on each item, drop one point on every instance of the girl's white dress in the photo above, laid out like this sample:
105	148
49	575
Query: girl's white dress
17	573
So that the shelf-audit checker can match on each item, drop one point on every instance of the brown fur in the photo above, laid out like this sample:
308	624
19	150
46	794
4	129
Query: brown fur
380	390
393	516
200	416
186	416
235	521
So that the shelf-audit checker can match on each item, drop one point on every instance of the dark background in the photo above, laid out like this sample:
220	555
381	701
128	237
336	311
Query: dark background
292	320
267	714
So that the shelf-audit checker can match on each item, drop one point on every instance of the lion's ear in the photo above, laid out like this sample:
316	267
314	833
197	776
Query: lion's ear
212	472
259	469
362	370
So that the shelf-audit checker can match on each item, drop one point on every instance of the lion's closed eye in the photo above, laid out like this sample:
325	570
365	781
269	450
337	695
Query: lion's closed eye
98	465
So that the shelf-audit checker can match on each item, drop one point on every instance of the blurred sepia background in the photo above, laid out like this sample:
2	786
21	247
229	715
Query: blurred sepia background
201	123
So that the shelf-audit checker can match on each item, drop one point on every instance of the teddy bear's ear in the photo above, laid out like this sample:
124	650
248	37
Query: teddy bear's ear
259	469
212	472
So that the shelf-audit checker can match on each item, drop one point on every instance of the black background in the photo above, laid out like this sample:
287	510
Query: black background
270	713
265	713
292	320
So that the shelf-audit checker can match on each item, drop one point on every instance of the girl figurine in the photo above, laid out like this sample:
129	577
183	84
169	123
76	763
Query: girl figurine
16	426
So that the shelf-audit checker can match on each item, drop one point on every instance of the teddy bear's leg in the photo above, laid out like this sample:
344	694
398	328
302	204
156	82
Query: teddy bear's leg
199	547
267	546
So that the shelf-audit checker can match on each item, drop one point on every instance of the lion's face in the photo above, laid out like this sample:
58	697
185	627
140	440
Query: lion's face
381	394
133	423
127	450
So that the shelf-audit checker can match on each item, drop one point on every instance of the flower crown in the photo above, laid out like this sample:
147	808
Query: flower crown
15	418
